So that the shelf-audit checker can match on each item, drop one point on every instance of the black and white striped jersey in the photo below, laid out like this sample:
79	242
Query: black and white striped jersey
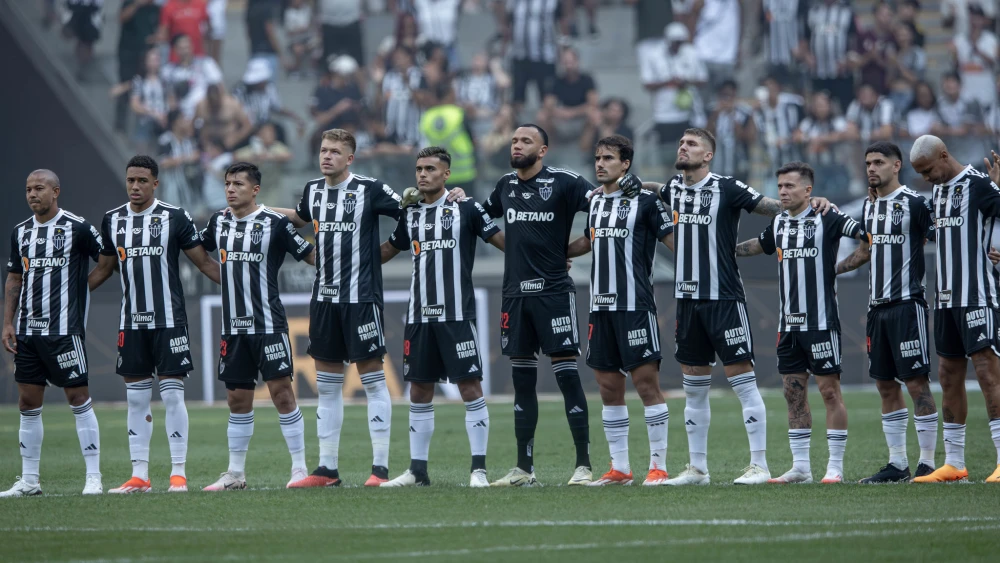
251	250
868	120
807	246
829	31
538	221
706	224
784	19
534	28
623	234
345	221
897	226
965	211
441	238
52	259
146	245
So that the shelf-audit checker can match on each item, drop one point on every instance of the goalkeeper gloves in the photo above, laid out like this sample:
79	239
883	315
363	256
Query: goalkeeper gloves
630	184
410	196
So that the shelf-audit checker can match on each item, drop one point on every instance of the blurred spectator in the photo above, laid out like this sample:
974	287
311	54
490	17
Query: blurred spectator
398	98
221	117
270	155
434	54
872	48
336	102
992	118
259	98
84	25
406	34
907	64
139	20
777	115
495	144
684	12
906	13
262	32
443	124
189	77
303	43
651	16
975	55
217	28
958	114
570	18
180	172
611	119
341	29
184	17
784	19
730	121
820	133
569	99
829	33
530	28
215	158
479	90
922	117
870	116
717	41
438	23
672	73
149	103
955	13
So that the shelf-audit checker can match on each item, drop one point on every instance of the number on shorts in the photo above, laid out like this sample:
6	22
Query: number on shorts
223	345
406	347
121	338
504	320
590	331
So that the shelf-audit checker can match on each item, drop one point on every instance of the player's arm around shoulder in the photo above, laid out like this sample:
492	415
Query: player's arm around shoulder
765	243
399	240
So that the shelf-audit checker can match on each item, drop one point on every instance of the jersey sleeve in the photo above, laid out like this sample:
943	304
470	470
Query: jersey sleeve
386	201
661	218
207	238
400	237
923	218
187	234
14	265
578	195
766	239
107	236
740	195
843	226
988	195
303	210
493	204
91	243
482	222
295	245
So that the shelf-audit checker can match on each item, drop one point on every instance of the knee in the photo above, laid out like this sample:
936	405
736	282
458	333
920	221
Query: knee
421	393
77	396
470	390
26	403
830	394
649	391
887	389
917	385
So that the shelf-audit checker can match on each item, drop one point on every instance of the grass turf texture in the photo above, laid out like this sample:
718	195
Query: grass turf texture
449	522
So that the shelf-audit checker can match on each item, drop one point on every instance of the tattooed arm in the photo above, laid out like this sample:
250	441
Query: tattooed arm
749	247
861	255
767	207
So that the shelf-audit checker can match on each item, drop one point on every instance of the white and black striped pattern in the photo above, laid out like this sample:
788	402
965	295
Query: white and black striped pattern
477	405
900	415
741	380
293	417
147	245
372	378
82	409
807	246
778	123
534	29
829	28
32	412
260	104
402	114
171	385
335	378
741	308
617	423
241	419
345	222
922	331
838	437
700	382
785	29
151	93
800	434
965	209
144	385
421	408
563	365
657	419
52	259
897	226
477	90
730	152
868	120
522	363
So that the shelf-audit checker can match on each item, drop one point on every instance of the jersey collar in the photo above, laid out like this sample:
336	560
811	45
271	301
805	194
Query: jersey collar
51	221
249	217
960	174
802	215
344	184
892	194
144	212
701	183
440	202
612	195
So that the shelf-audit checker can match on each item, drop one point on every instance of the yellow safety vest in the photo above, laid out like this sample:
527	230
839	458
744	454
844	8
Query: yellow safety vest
444	126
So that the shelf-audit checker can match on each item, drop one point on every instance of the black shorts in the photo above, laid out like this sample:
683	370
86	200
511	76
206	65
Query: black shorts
165	350
813	351
243	356
525	71
622	340
84	24
544	321
960	332
59	360
708	328
897	341
345	332
441	352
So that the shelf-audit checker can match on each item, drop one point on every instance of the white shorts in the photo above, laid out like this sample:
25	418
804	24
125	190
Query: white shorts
217	18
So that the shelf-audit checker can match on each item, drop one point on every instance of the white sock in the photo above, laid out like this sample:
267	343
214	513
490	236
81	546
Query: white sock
140	425
329	416
754	416
477	425
954	445
30	436
294	431
421	430
176	422
657	417
90	436
894	426
836	440
379	415
927	429
697	418
798	441
239	432
995	434
616	430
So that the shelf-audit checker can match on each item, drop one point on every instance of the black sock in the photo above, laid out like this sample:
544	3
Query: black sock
577	413
418	466
525	376
478	462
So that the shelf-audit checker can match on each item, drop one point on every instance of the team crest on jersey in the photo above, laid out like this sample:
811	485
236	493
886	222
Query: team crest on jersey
809	229
447	219
155	227
623	209
897	214
545	191
706	198
350	202
257	234
59	239
956	196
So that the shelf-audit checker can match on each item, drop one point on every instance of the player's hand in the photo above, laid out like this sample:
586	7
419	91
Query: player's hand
630	184
594	192
993	254
10	340
455	194
410	196
872	194
993	168
823	205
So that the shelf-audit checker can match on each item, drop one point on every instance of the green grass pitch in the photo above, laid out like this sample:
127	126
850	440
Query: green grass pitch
451	523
